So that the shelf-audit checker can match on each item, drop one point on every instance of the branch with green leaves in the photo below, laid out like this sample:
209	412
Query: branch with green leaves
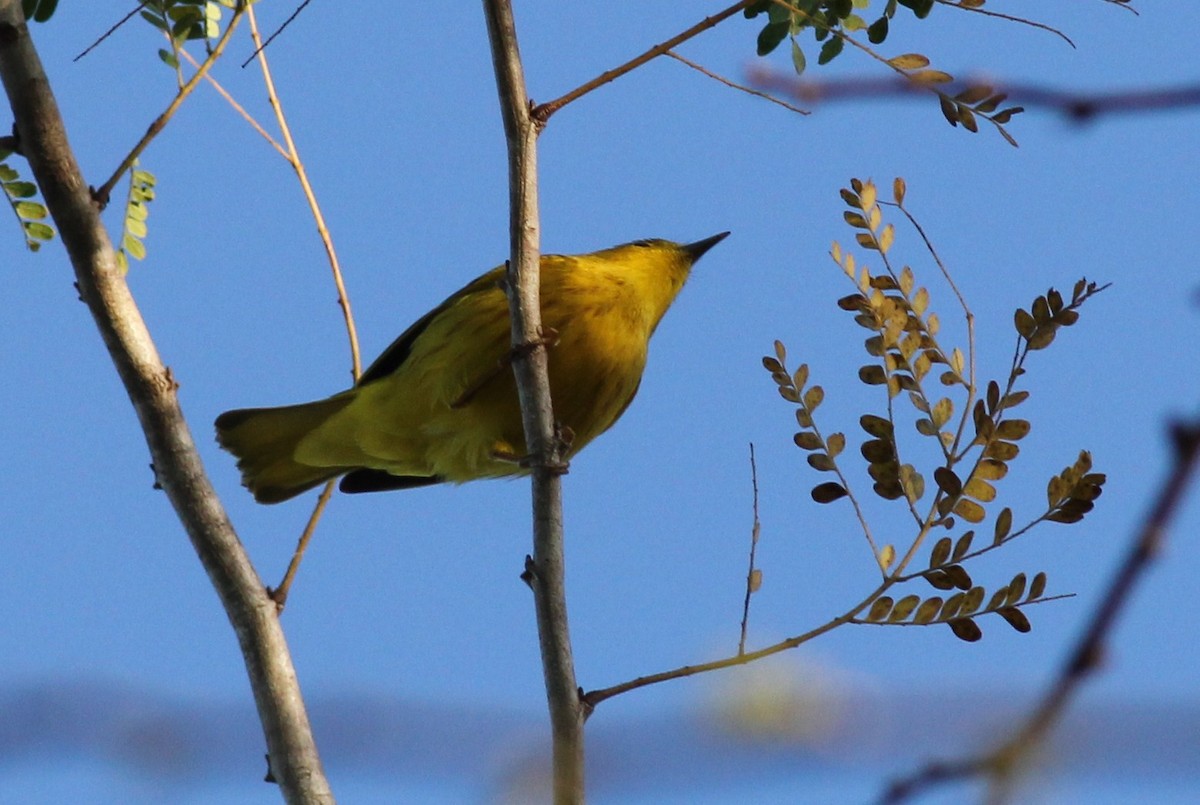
181	20
835	23
137	210
21	196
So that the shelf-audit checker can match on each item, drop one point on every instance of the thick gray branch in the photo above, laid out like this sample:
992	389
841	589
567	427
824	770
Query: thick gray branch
151	388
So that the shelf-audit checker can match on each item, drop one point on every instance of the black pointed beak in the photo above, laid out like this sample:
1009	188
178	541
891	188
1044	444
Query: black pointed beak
696	250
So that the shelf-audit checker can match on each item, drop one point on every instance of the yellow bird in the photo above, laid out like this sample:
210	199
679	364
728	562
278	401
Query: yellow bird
440	404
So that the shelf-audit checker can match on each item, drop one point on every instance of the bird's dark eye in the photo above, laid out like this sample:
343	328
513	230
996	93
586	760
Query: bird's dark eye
643	243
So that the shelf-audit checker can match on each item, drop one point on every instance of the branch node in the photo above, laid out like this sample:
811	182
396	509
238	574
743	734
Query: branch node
99	197
530	573
585	706
1185	438
13	141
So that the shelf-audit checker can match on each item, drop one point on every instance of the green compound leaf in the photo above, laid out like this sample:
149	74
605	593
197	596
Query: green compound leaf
137	211
29	214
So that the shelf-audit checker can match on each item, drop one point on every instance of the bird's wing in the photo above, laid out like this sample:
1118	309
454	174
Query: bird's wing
399	350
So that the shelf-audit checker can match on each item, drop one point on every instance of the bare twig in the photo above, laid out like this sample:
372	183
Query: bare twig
105	190
111	30
260	46
237	107
293	758
595	697
733	84
292	154
753	574
1084	659
1009	18
544	570
1125	4
543	111
280	594
302	175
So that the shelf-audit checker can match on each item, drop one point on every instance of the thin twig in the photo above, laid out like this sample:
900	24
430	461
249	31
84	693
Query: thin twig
542	112
111	31
292	155
1084	659
967	314
313	205
753	574
280	594
1010	18
259	47
733	84
237	107
843	481
1125	4
595	697
105	190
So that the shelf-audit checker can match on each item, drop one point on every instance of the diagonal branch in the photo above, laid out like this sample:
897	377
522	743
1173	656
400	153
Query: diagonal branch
543	111
1000	764
979	9
105	190
293	758
293	158
733	84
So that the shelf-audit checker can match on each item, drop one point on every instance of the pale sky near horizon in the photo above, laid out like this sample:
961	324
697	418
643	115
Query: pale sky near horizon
413	637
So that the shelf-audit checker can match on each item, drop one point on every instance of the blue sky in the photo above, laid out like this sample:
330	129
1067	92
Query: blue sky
408	623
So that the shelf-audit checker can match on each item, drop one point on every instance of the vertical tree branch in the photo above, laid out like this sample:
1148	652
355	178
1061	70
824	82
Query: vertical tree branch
294	762
544	571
